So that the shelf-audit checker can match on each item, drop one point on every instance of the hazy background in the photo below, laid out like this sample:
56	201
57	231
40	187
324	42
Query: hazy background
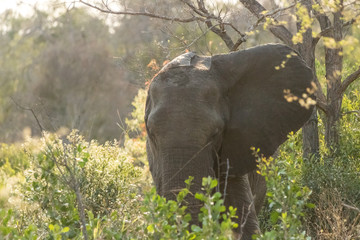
64	65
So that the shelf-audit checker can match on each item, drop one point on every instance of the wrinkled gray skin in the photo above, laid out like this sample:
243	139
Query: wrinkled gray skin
202	112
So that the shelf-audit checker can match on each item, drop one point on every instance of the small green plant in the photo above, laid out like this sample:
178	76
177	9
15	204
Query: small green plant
170	220
9	227
287	197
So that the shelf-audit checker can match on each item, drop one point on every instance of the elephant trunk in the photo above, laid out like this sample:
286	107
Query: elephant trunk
177	166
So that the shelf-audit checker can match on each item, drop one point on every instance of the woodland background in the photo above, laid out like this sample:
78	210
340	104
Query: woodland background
85	66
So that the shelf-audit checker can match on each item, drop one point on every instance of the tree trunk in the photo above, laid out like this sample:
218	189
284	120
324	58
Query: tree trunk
311	137
310	129
333	63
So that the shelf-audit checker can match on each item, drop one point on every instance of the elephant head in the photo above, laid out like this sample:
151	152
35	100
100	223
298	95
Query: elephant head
203	115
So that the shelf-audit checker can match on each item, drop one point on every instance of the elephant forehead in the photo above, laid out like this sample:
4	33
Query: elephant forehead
184	89
183	76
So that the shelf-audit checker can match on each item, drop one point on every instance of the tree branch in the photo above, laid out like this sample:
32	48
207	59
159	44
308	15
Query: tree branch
278	31
322	18
326	31
350	79
32	112
244	37
190	5
146	14
351	207
222	34
357	113
324	22
218	31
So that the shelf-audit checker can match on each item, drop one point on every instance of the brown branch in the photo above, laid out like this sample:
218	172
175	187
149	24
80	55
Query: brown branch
244	37
326	31
146	14
218	31
190	5
321	102
356	112
186	46
322	18
222	34
351	207
203	16
350	22
32	112
278	31
350	79
324	22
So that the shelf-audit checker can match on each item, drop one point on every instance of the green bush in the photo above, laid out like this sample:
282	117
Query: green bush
104	178
335	180
53	176
169	219
13	159
287	197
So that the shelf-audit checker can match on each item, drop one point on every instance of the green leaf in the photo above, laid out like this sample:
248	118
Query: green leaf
51	227
189	180
213	183
200	196
150	228
195	228
65	229
274	217
310	205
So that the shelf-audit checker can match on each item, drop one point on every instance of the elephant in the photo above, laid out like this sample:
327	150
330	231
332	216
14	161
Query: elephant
203	115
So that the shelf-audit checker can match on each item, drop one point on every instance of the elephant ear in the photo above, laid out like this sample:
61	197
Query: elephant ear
255	82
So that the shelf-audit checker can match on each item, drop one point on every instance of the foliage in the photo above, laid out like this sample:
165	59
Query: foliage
102	173
108	186
44	203
169	219
135	132
63	67
12	161
335	180
287	197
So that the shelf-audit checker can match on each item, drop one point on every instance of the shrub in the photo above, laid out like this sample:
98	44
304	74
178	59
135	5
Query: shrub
335	180
66	169
169	219
287	197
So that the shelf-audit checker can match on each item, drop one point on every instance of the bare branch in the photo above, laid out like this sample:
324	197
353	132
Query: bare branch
32	112
350	79
322	18
330	29
147	14
243	37
222	34
192	42
220	31
351	21
278	31
356	112
190	5
351	207
320	96
325	32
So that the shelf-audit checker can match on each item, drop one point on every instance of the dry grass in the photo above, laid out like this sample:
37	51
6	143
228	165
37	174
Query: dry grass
333	219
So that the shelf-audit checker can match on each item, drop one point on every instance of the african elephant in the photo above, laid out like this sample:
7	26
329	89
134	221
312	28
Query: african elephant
203	115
